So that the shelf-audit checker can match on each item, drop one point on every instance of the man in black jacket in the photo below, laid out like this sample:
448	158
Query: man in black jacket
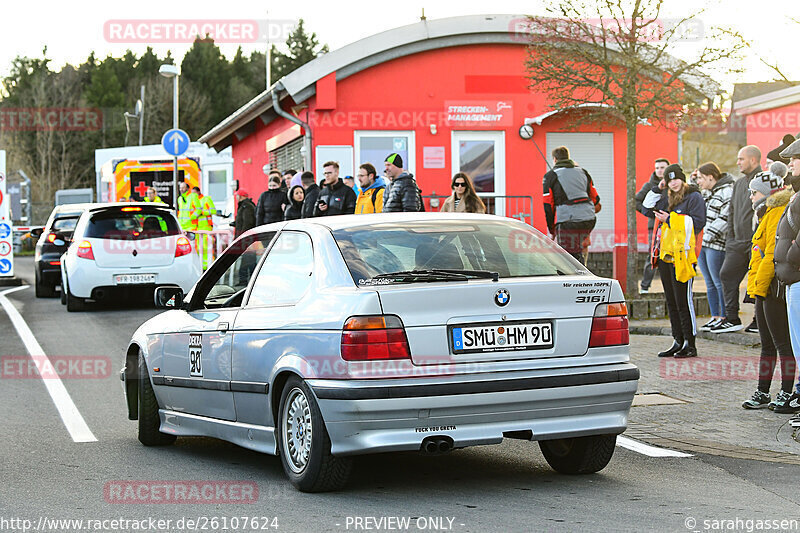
312	194
245	213
335	198
655	178
739	240
271	201
404	195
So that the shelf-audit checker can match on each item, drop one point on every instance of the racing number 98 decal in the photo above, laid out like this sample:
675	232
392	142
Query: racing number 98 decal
196	354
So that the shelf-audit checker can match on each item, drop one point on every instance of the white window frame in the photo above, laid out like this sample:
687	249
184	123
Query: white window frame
410	165
499	138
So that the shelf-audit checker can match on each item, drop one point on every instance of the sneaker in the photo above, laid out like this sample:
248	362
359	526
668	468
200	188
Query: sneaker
790	406
781	398
644	290
795	421
752	328
726	326
758	401
710	324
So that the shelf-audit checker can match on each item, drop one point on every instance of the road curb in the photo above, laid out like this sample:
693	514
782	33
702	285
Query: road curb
742	339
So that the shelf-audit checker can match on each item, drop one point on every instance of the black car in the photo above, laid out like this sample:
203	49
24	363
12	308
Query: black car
54	239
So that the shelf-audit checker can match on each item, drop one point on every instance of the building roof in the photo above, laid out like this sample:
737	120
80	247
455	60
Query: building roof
770	100
379	48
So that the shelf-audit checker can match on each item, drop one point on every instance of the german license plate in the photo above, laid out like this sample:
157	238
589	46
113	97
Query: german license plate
502	337
128	279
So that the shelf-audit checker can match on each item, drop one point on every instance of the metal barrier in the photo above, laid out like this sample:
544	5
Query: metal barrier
212	242
519	207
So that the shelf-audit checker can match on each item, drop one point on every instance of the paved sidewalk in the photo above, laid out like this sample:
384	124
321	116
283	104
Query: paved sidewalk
711	420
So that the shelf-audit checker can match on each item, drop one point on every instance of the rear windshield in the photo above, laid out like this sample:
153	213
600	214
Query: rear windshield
64	224
512	249
133	225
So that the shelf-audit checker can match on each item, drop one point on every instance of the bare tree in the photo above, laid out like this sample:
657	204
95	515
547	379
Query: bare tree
612	58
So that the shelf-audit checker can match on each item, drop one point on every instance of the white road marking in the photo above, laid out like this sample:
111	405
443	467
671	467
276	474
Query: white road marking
646	449
74	422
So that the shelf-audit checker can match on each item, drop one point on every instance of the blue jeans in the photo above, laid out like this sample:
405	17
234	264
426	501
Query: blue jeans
710	262
793	311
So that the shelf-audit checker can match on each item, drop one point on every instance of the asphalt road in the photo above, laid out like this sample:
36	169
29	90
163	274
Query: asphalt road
507	487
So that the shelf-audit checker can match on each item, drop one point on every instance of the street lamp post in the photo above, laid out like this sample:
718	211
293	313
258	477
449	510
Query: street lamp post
171	71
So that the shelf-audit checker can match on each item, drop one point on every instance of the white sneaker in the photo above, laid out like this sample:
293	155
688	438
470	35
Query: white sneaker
644	291
710	324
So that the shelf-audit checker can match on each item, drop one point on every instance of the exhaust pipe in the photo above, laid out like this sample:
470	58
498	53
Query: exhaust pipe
436	445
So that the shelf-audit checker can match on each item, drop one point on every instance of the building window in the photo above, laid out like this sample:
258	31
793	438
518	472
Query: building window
374	146
287	156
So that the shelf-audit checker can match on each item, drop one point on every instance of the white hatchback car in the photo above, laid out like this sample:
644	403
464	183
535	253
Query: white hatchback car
319	339
126	248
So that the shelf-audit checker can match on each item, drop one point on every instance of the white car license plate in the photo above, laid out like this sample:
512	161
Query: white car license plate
502	337
127	279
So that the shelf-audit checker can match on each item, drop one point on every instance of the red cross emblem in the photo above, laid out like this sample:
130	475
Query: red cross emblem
141	189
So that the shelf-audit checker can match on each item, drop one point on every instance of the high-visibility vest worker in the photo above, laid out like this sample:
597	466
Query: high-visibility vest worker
188	211
207	209
156	200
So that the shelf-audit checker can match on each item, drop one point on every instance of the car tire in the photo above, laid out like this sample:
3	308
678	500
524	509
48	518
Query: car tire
43	291
579	455
74	303
149	421
63	295
312	468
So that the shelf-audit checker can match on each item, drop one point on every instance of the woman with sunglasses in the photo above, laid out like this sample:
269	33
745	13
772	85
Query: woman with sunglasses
463	199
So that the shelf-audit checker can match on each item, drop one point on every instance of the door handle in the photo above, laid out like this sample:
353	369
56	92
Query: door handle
222	326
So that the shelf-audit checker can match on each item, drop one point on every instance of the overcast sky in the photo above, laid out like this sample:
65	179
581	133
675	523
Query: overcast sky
71	30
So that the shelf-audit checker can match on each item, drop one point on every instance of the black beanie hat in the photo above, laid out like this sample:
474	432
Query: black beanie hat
775	155
674	172
394	159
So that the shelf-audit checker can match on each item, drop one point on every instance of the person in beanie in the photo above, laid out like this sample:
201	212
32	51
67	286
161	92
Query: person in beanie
681	211
719	187
245	213
570	201
658	173
271	202
403	195
787	260
739	238
769	202
294	210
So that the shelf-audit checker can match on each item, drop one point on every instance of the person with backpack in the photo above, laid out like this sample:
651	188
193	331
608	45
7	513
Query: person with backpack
403	194
370	200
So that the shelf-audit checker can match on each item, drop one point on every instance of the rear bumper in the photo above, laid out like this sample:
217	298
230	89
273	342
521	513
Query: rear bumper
84	275
385	416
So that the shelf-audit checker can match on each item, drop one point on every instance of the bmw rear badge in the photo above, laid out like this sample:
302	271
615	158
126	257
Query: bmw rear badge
502	297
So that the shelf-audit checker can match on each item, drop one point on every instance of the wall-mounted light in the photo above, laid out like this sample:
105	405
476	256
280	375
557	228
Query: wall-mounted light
247	161
433	129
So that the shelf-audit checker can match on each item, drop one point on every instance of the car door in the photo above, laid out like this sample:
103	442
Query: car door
279	319
197	354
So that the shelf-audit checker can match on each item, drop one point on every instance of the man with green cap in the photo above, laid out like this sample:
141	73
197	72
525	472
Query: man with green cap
404	195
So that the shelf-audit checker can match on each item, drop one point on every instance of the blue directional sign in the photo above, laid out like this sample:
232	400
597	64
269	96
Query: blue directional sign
5	266
5	230
175	142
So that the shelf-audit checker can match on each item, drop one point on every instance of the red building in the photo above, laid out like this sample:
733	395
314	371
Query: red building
768	117
448	95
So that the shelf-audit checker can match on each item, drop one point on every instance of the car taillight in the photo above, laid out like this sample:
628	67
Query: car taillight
184	247
610	325
51	237
85	250
374	337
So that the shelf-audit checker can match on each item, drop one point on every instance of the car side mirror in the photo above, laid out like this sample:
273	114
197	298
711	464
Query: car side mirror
169	297
37	232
